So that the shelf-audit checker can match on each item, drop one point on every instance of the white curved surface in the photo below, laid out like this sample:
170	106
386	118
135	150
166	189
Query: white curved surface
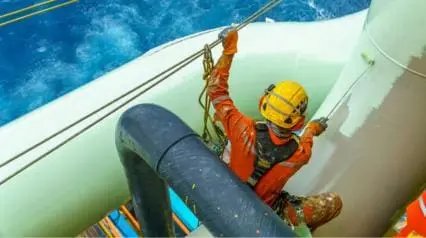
373	153
77	184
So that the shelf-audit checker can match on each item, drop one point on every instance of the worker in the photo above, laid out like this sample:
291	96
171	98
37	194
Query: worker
266	154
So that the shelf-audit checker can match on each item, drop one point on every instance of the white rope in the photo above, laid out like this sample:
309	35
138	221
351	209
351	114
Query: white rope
386	55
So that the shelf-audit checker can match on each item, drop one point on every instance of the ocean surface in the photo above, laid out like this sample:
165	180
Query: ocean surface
49	55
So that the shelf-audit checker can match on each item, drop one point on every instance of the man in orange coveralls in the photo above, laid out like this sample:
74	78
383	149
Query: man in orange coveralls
266	154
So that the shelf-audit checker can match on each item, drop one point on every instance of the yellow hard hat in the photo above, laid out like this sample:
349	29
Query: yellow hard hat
284	104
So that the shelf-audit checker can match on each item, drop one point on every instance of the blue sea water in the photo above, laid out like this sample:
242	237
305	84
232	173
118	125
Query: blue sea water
49	55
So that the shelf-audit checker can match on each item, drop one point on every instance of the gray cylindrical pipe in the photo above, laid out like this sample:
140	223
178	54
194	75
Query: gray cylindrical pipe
152	206
222	203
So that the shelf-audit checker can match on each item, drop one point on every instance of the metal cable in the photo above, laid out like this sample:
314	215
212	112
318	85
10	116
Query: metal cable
26	8
175	68
34	13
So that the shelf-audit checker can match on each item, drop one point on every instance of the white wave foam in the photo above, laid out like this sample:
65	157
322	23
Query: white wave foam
108	41
321	13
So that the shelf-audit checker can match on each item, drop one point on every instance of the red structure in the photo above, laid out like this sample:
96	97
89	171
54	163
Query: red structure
416	218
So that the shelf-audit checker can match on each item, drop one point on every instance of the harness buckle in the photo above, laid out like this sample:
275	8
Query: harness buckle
264	163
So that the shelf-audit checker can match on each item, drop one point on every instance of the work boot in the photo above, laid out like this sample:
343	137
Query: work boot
317	209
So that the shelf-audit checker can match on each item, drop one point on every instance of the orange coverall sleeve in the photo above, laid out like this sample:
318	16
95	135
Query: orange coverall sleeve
233	121
306	142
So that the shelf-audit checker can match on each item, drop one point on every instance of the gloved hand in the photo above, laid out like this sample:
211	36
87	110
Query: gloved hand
318	126
229	37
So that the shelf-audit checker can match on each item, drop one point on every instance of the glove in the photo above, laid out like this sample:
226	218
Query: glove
318	126
229	37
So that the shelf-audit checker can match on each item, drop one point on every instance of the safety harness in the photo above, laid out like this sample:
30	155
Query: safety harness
268	154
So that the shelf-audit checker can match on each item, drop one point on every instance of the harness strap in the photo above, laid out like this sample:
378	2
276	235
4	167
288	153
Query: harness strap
261	167
268	154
